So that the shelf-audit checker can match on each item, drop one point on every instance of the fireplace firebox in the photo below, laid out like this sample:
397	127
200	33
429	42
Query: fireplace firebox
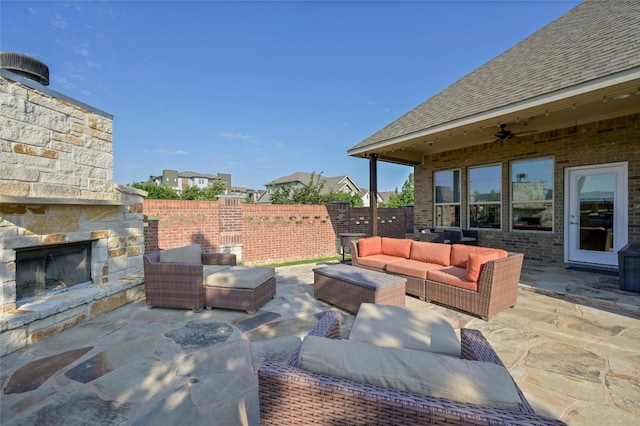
42	270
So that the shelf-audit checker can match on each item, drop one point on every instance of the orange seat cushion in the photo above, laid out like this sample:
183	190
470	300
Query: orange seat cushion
475	263
378	261
431	253
396	247
412	268
453	276
369	246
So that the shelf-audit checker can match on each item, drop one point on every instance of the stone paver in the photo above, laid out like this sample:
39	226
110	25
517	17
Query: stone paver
572	344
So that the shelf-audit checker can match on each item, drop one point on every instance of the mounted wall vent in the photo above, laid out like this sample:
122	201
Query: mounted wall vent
25	66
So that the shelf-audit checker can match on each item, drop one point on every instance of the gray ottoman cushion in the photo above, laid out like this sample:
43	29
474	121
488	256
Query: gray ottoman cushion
240	277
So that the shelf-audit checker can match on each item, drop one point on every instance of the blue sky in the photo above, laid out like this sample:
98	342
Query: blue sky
261	89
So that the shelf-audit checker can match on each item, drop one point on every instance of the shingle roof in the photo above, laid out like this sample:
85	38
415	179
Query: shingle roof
593	40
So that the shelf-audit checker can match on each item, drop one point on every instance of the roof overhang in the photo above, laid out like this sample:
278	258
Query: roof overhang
612	96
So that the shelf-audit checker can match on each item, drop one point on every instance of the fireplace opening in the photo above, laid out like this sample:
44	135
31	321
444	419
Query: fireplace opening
44	270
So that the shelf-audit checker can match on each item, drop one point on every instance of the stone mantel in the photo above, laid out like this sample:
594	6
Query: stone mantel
58	201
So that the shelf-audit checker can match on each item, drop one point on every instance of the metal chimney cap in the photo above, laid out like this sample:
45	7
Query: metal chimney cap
25	66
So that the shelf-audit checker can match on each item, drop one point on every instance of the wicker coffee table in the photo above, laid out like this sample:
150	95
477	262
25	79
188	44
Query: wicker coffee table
348	286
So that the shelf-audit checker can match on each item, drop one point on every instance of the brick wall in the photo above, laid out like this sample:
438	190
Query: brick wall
606	141
268	233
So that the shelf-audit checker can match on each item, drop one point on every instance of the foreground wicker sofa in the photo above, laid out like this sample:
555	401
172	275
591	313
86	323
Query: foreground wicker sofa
292	396
439	272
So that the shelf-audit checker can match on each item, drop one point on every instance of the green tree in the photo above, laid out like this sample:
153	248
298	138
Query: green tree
282	195
191	193
156	192
405	197
212	191
354	199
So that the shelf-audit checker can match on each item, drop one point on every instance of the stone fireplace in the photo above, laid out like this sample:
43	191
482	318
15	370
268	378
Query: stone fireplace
71	240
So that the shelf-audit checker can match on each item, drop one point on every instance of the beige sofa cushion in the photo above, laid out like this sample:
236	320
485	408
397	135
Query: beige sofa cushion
240	277
401	327
186	254
425	373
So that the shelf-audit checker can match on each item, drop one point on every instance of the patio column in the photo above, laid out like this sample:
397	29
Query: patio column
373	188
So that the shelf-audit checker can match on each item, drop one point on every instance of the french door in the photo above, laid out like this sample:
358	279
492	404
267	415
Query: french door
596	208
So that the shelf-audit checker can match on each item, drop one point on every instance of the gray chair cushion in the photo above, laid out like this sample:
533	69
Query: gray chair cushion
425	373
186	254
401	327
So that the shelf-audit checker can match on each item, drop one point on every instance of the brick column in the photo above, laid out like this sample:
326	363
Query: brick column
230	224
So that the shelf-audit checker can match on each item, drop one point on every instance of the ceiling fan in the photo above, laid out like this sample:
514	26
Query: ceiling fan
503	134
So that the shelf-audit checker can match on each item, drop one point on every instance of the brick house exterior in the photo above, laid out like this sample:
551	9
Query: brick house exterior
564	104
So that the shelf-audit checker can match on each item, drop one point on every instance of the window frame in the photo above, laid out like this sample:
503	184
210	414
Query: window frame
499	203
545	201
458	204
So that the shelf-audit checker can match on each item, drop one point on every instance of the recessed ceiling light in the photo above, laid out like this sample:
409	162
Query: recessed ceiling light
623	96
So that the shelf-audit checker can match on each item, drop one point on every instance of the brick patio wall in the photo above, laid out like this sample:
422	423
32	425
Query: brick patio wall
266	233
607	141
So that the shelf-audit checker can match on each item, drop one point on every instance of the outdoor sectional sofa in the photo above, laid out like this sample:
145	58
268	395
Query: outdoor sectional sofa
297	394
479	280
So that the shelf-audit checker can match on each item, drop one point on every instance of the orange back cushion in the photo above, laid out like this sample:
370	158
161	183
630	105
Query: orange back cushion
460	254
431	252
396	247
475	262
369	246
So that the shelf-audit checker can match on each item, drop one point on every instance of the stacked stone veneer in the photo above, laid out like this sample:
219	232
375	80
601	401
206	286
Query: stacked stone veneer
56	187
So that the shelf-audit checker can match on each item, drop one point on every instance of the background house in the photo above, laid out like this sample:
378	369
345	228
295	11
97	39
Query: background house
518	147
180	180
301	179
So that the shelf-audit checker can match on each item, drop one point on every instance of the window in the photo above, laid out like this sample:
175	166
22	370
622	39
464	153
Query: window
532	195
485	197
447	196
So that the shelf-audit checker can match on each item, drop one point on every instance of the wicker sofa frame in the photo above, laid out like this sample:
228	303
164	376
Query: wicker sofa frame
497	287
292	396
177	284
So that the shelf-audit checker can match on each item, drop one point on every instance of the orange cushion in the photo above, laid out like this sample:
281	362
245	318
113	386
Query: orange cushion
396	247
412	268
460	254
369	246
475	262
431	253
454	276
378	261
501	253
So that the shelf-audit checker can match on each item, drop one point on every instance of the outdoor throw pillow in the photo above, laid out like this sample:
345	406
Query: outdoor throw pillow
369	246
475	262
424	373
186	254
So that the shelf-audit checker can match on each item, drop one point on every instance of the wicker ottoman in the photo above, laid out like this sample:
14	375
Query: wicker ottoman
240	288
347	287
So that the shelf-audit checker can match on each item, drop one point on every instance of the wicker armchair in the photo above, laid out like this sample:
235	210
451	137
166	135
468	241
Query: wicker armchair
292	396
178	284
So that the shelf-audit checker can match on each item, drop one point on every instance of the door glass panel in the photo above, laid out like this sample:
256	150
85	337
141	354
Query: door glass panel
596	198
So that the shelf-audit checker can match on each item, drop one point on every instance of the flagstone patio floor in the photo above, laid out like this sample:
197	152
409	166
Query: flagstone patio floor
572	344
